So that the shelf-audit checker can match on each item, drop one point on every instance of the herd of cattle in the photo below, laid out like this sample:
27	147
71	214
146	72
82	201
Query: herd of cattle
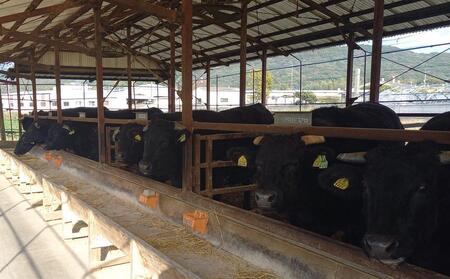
390	198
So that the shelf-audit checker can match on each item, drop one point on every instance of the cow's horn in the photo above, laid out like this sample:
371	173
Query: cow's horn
178	126
257	140
311	139
444	157
355	157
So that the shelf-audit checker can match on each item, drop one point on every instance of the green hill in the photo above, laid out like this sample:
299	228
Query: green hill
331	75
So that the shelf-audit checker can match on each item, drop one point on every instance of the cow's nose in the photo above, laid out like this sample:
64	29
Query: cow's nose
119	156
379	246
145	167
266	198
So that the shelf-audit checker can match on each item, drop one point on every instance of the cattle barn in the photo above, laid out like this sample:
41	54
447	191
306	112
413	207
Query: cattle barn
189	231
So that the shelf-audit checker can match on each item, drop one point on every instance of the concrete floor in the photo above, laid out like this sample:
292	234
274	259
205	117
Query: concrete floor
33	248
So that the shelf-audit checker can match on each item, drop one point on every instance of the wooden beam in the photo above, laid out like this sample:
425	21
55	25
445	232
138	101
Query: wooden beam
129	74
33	84
243	55
187	91
264	77
19	108
171	84
150	8
208	85
99	83
377	42
58	85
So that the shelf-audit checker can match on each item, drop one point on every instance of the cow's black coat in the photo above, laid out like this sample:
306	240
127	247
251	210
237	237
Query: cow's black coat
407	202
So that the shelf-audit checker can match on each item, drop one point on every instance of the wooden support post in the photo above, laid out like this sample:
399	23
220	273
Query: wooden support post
99	76
2	121
208	85
187	90
129	73
376	50
264	77
172	71
58	85
19	108
33	85
243	66
349	85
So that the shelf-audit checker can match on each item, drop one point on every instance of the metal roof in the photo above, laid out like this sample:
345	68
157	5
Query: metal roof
279	26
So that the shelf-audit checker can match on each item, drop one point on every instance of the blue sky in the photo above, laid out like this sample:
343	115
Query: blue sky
437	36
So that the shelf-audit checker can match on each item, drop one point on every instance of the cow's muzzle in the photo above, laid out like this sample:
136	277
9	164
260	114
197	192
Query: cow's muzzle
381	247
145	167
266	199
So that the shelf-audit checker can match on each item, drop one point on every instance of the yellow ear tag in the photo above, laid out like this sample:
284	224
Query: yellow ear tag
342	183
137	137
320	162
182	138
242	161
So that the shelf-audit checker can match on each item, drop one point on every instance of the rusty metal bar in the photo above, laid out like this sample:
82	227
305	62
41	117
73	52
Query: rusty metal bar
33	84
186	114
99	83
349	84
2	120
264	77
197	158
58	85
377	45
130	103
228	190
243	55
338	132
171	85
208	85
208	171
19	108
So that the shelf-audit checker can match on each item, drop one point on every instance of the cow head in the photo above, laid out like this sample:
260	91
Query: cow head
401	190
163	142
130	141
36	133
59	136
282	164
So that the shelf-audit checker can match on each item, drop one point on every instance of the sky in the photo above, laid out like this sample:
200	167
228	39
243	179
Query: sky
436	36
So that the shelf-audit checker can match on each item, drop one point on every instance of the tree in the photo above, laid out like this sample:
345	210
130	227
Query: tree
258	85
307	97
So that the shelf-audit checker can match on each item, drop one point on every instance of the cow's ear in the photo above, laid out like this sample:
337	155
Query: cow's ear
181	135
241	156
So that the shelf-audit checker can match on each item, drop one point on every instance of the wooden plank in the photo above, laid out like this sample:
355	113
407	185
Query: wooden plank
196	168
232	189
377	41
338	132
209	171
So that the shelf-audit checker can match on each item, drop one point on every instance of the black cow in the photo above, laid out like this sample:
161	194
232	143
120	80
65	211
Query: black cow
82	138
406	196
163	139
35	133
130	140
293	172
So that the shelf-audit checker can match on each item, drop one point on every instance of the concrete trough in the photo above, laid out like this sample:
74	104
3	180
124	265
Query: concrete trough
157	243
